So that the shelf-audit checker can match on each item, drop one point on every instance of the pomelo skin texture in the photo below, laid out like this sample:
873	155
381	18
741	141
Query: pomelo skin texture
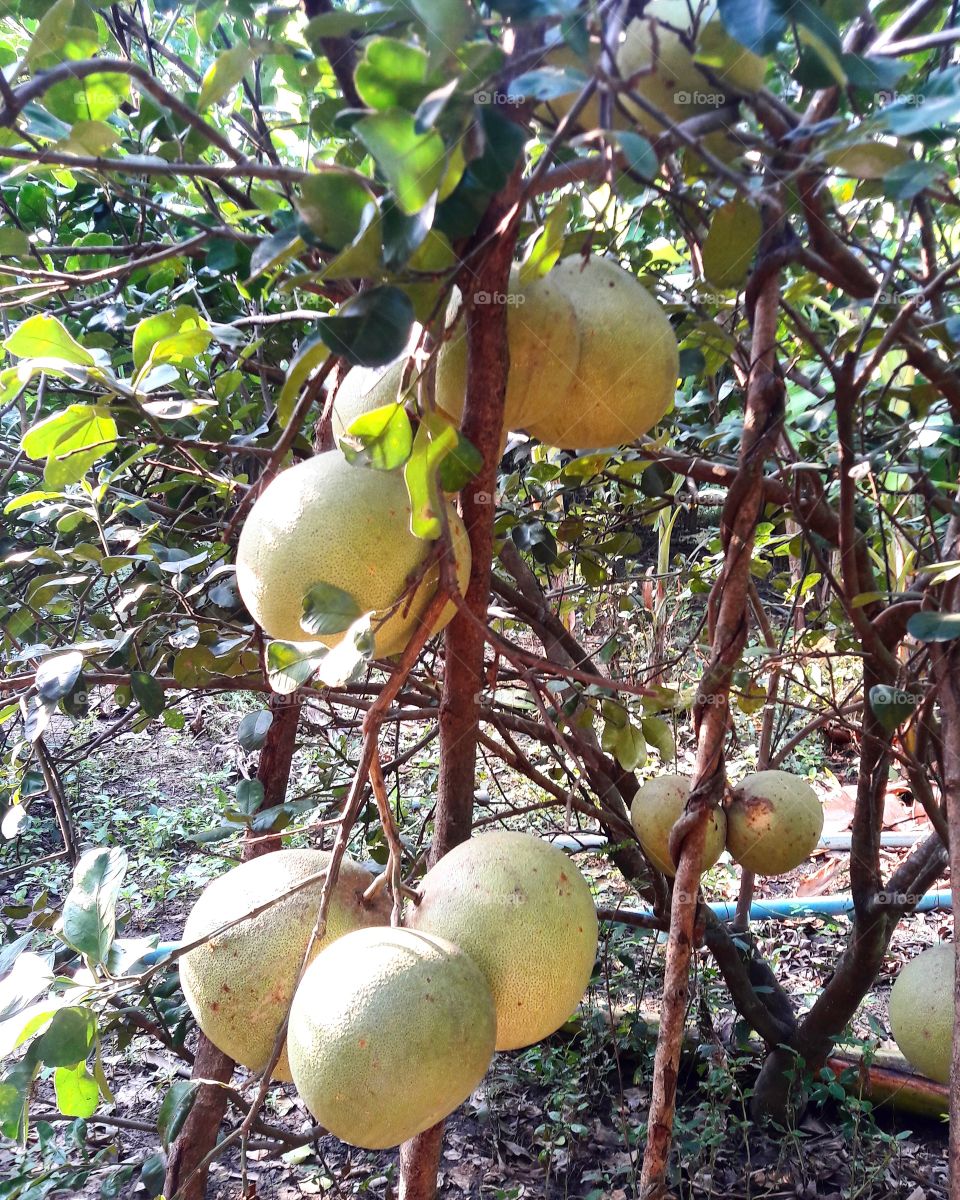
773	822
921	1011
326	521
626	374
239	985
523	912
390	1031
655	810
543	331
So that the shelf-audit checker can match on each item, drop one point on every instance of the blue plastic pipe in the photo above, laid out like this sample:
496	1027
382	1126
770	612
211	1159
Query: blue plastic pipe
781	907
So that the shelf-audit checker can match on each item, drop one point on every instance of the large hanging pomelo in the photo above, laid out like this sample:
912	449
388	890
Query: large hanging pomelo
774	822
390	1031
656	808
325	521
921	1011
523	912
239	984
626	373
543	333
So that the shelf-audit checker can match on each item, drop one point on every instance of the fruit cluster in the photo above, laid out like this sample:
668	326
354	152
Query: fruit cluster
390	1028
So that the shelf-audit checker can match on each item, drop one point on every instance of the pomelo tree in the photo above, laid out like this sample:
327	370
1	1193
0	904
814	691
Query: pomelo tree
216	214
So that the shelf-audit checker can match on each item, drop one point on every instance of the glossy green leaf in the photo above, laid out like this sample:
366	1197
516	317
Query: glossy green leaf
333	204
71	441
311	355
57	676
147	692
249	797
45	337
253	729
548	243
934	626
292	664
892	706
435	439
372	329
175	1108
463	463
89	919
413	163
76	1091
547	83
638	153
392	74
68	1039
328	609
381	439
731	244
93	98
224	73
174	336
757	24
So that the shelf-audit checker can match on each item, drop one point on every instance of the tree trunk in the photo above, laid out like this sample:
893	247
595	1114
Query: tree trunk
187	1171
487	366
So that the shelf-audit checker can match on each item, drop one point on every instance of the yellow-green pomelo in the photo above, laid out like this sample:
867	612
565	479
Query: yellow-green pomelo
774	822
390	1031
921	1011
523	912
364	389
657	56
239	984
326	521
543	334
626	373
657	807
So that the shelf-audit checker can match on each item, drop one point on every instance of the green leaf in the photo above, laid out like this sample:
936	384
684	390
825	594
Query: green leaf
372	329
731	244
546	83
310	355
57	675
250	793
328	609
175	1109
629	747
381	438
463	463
548	243
271	252
868	160
333	205
892	706
182	333
447	24
253	729
413	163
94	98
148	693
392	74
50	36
76	1091
934	626
224	73
89	919
435	439
45	337
15	1089
68	1039
14	242
658	734
71	441
938	104
639	154
92	138
292	664
757	24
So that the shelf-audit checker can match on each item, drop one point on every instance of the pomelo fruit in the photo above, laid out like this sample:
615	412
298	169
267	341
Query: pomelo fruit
239	984
543	332
626	372
774	822
655	810
390	1031
326	521
921	1011
523	912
